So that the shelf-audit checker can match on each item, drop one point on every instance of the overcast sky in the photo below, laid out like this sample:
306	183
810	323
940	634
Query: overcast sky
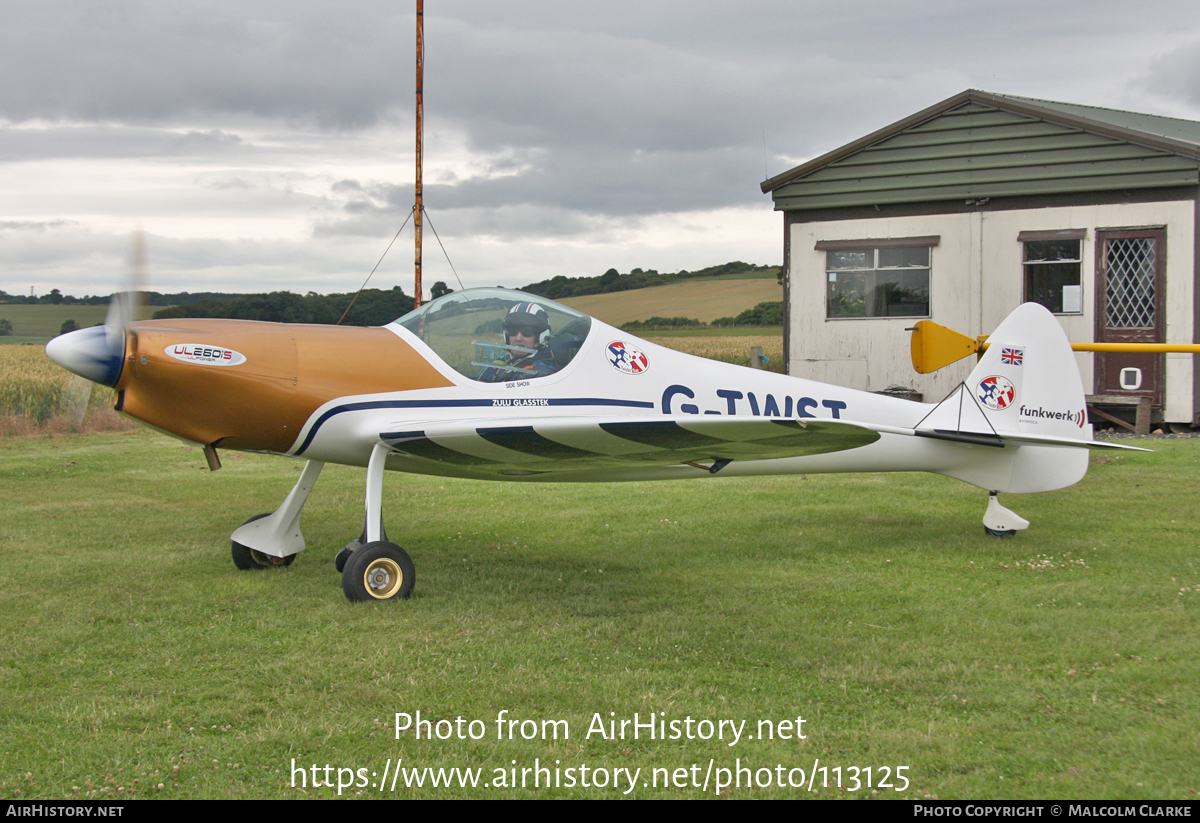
269	145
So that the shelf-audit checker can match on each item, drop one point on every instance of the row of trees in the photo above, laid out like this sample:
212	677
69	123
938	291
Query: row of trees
764	314
373	307
55	297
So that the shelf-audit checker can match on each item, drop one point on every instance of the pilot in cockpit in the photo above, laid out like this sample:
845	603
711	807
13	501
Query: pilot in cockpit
526	334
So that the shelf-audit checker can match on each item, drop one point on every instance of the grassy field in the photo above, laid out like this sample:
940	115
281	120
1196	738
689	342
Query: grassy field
704	300
139	663
41	322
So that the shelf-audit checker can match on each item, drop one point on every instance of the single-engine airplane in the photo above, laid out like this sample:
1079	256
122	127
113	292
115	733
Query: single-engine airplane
494	384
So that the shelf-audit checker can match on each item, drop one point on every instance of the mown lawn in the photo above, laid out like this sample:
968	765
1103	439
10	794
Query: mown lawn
139	663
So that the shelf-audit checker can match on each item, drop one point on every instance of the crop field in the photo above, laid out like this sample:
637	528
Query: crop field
730	349
921	655
704	300
35	393
716	331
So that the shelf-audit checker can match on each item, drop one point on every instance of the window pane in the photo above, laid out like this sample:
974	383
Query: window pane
1130	283
850	259
904	258
1043	251
847	294
1044	283
902	294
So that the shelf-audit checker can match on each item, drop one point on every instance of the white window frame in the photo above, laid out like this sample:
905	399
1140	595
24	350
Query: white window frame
873	247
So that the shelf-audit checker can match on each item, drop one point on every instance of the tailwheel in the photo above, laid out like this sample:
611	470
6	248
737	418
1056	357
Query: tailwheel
247	559
378	571
999	521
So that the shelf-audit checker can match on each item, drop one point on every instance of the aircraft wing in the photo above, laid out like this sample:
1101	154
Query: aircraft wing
522	446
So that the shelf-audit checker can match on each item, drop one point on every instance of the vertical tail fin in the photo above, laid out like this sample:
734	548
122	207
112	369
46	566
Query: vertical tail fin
1027	383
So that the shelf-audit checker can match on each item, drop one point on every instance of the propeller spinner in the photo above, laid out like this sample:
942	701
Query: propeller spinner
98	353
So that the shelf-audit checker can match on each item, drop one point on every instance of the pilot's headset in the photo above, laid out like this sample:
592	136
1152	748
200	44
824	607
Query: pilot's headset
528	318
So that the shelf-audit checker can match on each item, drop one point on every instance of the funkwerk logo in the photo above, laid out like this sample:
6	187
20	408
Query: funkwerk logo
206	355
1078	418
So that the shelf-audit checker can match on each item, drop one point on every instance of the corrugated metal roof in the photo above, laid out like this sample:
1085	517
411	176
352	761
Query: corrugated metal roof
1187	131
978	145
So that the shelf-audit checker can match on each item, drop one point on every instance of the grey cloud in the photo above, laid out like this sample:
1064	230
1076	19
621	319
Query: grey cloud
80	140
638	182
1176	76
35	225
82	261
145	62
592	116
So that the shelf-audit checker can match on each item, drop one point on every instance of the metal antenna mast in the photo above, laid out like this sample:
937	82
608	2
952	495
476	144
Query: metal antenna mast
418	208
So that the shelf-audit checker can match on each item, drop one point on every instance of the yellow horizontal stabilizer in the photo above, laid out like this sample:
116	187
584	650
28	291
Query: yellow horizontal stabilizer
935	346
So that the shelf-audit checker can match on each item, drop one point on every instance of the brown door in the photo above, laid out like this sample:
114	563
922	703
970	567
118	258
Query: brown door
1130	308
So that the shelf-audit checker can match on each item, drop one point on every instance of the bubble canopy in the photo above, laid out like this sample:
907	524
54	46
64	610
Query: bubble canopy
466	329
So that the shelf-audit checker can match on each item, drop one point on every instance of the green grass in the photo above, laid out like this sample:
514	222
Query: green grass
1057	663
14	340
39	323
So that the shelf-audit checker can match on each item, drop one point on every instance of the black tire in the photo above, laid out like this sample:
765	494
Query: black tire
999	532
247	559
339	559
378	571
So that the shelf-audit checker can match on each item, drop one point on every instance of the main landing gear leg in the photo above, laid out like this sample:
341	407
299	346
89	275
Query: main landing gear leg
999	521
268	540
377	570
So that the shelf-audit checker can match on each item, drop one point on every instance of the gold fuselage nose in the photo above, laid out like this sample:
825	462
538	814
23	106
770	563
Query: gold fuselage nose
242	384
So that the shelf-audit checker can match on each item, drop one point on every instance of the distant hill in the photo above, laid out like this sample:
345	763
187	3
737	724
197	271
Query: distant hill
720	291
612	281
704	300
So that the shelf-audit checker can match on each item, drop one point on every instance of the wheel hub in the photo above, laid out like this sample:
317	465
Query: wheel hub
383	578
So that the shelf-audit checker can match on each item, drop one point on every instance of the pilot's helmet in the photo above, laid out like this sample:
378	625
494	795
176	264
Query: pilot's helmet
529	319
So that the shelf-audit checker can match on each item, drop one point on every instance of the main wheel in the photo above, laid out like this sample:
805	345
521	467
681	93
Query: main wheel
378	571
247	559
999	532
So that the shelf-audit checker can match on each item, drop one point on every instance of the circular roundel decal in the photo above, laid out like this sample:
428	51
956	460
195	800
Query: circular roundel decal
996	393
627	358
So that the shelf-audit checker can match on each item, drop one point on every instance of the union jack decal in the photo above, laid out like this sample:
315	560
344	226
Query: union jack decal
1012	357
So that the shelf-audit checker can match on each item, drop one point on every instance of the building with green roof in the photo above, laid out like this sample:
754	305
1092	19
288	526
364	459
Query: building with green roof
964	210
